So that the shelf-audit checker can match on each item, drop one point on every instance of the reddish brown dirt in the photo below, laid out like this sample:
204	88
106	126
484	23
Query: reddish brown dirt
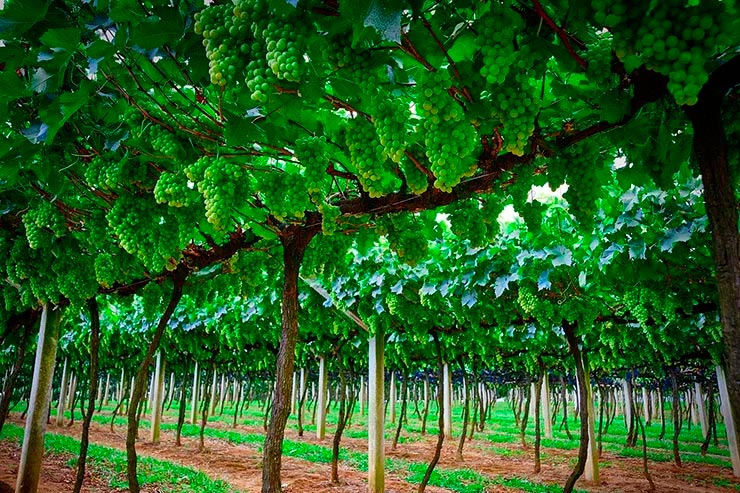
56	476
240	465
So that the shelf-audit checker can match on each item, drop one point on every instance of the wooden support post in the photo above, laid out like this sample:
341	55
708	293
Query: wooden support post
32	452
376	414
321	400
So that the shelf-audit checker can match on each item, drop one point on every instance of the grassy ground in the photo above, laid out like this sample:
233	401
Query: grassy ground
500	432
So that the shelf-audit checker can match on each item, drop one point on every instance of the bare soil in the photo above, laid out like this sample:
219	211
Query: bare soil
240	465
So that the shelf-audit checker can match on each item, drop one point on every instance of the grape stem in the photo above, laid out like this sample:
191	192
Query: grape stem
562	33
408	47
465	92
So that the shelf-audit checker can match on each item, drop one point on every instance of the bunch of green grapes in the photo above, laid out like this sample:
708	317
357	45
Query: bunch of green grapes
376	176
405	237
106	269
174	190
451	150
586	168
326	254
76	278
164	143
286	45
312	154
223	35
151	299
110	172
96	172
672	38
451	141
284	194
600	54
635	305
223	186
436	103
146	230
393	302
416	180
498	30
44	216
515	105
390	117
329	215
466	222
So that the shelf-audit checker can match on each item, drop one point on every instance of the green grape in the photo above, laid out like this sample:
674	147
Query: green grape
405	237
376	176
416	180
390	117
273	187
223	186
164	143
286	45
671	38
515	105
600	59
42	222
467	223
105	270
497	31
329	215
312	153
148	230
174	190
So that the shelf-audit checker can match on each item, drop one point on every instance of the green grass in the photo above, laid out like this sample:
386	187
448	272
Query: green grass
110	465
500	429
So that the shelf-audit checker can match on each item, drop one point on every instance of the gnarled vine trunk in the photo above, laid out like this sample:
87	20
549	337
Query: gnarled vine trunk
710	148
140	382
294	245
92	305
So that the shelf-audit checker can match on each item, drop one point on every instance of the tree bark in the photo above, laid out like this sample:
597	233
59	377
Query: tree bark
12	377
294	246
39	400
138	389
710	148
537	431
441	384
575	351
92	305
675	413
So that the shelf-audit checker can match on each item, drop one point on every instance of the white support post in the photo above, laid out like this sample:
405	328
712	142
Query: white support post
392	398
376	414
196	385
157	394
61	403
701	409
447	398
591	471
545	397
321	400
728	418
